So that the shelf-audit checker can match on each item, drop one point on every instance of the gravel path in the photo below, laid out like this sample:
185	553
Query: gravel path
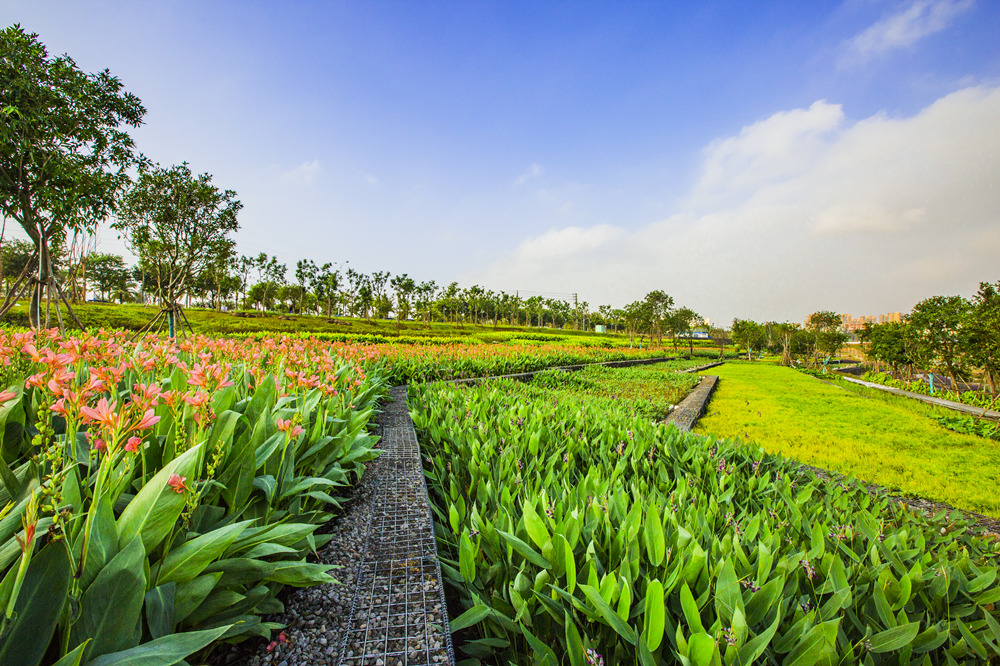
389	608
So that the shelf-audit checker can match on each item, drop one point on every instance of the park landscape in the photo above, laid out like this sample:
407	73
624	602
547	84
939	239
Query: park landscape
181	437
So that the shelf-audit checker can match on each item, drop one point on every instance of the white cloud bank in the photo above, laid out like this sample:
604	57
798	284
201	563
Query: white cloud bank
303	174
905	27
803	211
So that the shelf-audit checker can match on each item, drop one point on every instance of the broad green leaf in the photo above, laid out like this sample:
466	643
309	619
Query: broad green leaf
728	597
548	657
466	558
819	642
534	524
153	511
189	596
690	608
39	604
474	615
893	639
165	651
109	609
160	609
702	650
301	574
653	536
574	645
525	550
74	657
609	615
654	615
190	559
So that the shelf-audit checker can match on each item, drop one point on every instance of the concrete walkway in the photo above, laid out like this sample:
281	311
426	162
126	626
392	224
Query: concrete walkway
929	399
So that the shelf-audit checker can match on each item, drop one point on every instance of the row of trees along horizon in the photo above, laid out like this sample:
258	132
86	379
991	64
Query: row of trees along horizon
65	166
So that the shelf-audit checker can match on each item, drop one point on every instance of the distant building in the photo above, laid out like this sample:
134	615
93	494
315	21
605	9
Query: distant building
850	323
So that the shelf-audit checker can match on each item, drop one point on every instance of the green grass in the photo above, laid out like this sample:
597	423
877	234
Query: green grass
881	440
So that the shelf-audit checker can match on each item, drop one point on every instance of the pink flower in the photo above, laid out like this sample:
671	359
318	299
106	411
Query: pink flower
149	419
177	483
132	445
104	414
286	426
6	396
59	407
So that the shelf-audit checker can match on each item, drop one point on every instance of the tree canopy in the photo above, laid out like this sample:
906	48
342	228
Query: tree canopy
179	225
64	145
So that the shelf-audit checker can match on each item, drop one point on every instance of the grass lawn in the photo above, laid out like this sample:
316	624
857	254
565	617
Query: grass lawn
888	442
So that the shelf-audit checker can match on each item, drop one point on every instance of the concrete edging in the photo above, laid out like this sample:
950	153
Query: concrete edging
929	399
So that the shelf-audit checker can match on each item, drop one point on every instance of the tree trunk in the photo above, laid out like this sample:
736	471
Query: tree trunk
38	292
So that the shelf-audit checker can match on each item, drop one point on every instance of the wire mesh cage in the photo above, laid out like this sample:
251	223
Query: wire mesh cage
399	616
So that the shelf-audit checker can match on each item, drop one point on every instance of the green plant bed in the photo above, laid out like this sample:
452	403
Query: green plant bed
577	532
877	440
651	391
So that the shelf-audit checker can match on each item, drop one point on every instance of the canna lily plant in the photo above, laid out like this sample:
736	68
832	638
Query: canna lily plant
156	496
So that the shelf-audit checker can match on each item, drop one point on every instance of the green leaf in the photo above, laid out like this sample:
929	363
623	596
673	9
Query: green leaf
534	524
525	550
690	608
893	639
728	597
301	574
654	616
466	558
574	645
653	537
38	607
609	615
165	651
548	657
820	642
189	560
74	657
160	610
474	615
189	596
153	511
702	649
109	609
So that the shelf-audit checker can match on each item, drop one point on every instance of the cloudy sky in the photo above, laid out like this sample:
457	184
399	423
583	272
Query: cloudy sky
760	160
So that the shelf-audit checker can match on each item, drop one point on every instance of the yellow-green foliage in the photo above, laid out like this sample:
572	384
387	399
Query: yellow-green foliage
883	442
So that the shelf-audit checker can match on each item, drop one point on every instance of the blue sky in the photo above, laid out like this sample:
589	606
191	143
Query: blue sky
758	160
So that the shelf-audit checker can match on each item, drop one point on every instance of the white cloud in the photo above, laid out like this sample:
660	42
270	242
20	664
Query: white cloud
905	27
804	211
303	174
534	171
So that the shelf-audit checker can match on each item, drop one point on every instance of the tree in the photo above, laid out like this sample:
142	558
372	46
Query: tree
271	275
937	324
659	306
305	274
108	272
748	333
179	225
683	320
784	335
64	157
325	284
404	286
983	328
825	326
